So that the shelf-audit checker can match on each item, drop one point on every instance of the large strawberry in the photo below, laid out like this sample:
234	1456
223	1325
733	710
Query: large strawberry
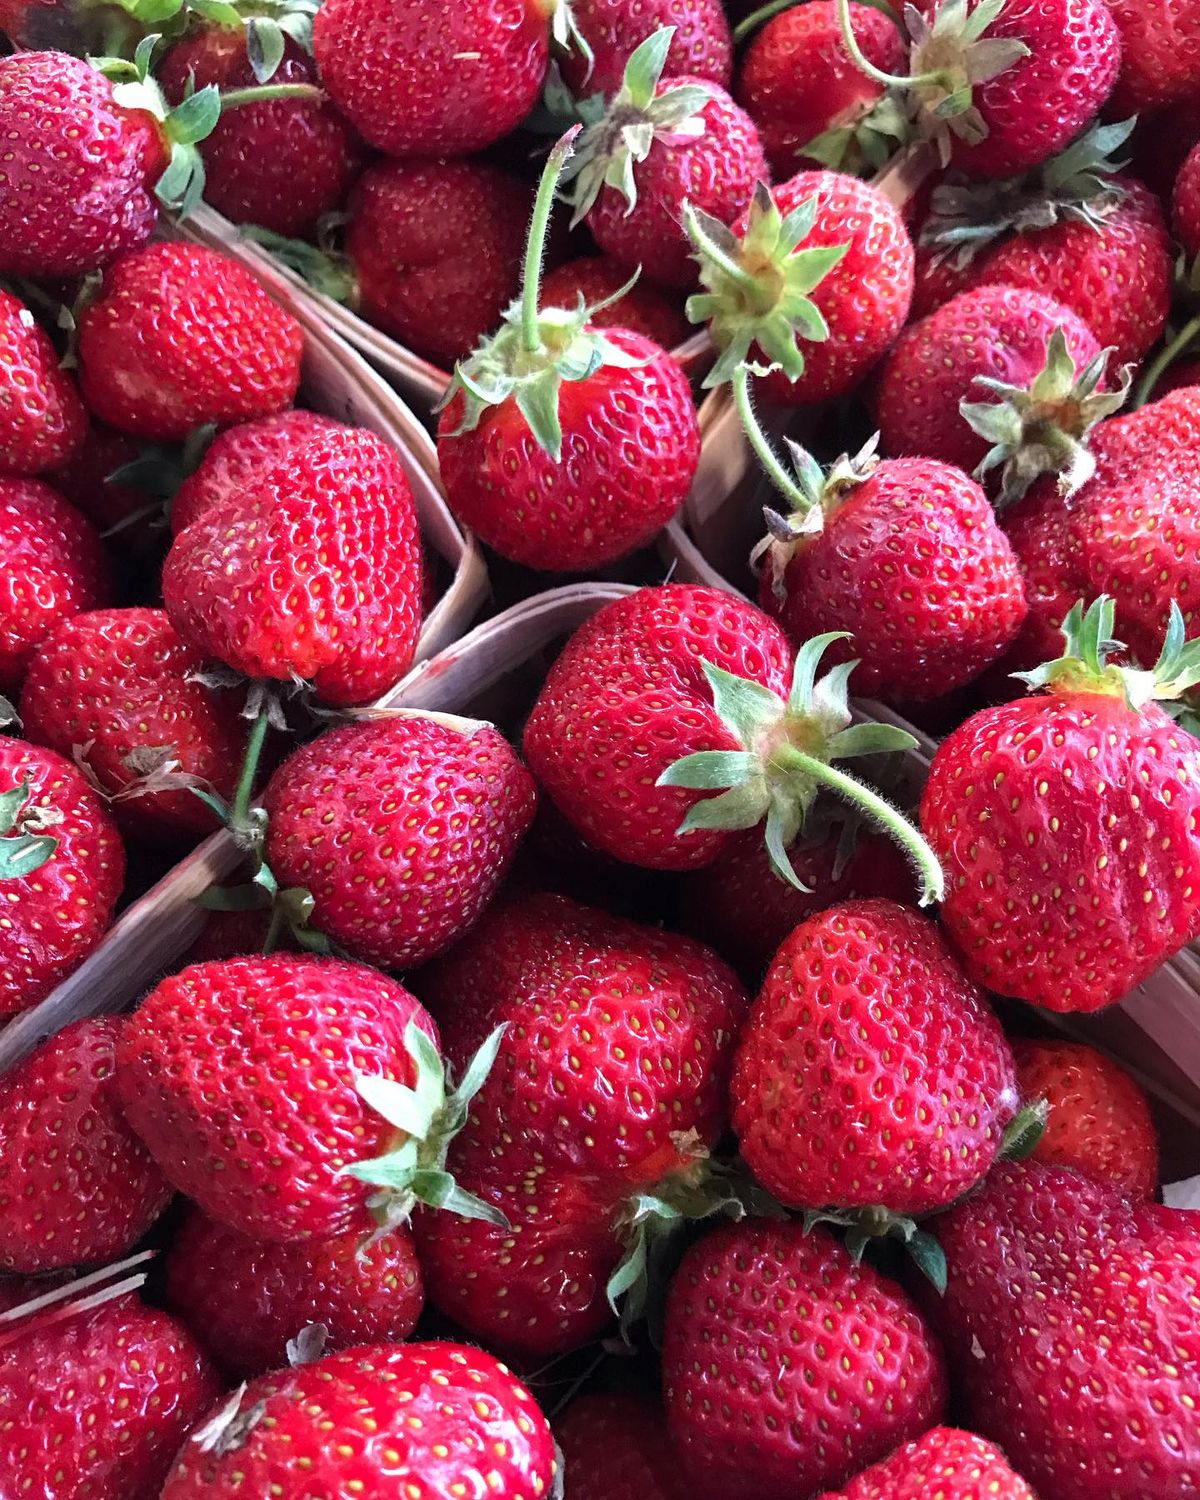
604	286
786	1367
76	1185
946	1462
400	831
179	335
62	866
1064	823
42	421
415	89
605	33
658	145
593	1128
248	1301
324	582
1160	52
52	566
614	1448
117	689
563	445
409	1419
815	280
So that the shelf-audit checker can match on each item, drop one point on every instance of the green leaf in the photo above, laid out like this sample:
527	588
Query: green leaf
196	117
645	65
742	807
23	853
9	718
480	1066
537	401
630	1273
804	673
264	47
438	1189
869	739
930	1259
1024	1131
706	770
330	274
399	1105
746	708
11	803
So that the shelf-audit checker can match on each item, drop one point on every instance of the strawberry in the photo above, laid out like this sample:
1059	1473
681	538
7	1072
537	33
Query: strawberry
409	1419
614	1448
324	583
1185	203
819	233
1070	1322
54	567
247	1300
907	548
62	866
592	1130
605	33
1040	532
1099	1120
96	1404
179	335
680	689
786	1367
946	1462
76	1185
281	163
42	421
642	308
1035	354
97	482
400	831
1064	823
661	143
812	105
565	446
412	89
1160	52
871	1070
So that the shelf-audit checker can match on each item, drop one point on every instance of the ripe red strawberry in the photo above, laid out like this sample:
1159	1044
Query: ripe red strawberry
1160	53
1099	1120
54	567
96	1405
76	1185
1064	823
946	1462
829	268
1070	1322
401	830
260	1084
607	1092
871	1070
937	391
312	570
1185	203
281	163
1043	541
413	89
615	1448
662	143
115	687
412	1419
179	336
907	549
786	1367
62	867
811	104
644	309
246	1299
605	33
42	421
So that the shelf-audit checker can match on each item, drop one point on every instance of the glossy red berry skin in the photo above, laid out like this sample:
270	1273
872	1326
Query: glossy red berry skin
613	29
180	335
630	448
1160	54
42	420
615	1447
77	173
1185	203
644	309
946	1462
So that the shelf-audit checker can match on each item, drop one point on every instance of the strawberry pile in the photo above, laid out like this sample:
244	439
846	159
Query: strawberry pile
671	1074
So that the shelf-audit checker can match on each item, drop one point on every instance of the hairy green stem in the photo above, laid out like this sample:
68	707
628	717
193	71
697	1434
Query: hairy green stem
535	246
773	8
765	454
1164	360
240	807
713	252
864	64
265	92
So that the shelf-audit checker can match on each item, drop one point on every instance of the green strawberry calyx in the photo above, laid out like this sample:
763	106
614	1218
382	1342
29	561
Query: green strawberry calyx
9	717
1040	428
25	846
427	1117
863	139
328	271
267	24
619	133
535	350
785	759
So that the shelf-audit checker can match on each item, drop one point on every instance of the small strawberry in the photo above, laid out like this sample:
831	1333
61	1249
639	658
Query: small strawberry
116	689
603	286
1064	823
248	1300
1099	1120
1036	355
412	89
615	1448
42	421
399	830
564	446
605	34
180	335
1160	52
53	567
815	279
661	143
1185	203
312	570
786	1367
946	1462
62	866
76	1185
812	105
405	1419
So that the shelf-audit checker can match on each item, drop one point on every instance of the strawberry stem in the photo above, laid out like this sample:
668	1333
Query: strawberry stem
535	246
766	455
1165	358
264	93
708	247
864	64
240	809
